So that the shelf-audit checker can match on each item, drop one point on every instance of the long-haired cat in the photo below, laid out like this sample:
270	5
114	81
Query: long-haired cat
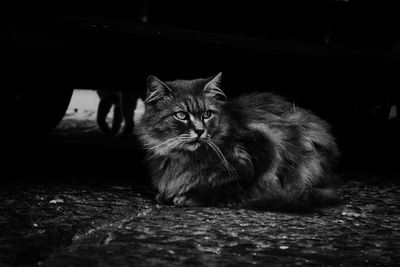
258	150
124	105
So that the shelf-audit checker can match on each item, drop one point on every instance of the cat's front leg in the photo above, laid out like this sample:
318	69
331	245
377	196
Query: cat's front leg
186	201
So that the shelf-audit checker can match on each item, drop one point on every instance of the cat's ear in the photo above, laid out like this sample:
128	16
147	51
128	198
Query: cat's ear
213	88
156	89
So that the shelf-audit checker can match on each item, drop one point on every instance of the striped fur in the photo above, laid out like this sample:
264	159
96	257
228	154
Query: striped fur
258	150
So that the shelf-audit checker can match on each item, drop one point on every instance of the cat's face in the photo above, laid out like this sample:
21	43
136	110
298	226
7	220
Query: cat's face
183	115
192	119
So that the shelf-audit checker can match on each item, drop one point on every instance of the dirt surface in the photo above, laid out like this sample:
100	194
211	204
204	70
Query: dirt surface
84	200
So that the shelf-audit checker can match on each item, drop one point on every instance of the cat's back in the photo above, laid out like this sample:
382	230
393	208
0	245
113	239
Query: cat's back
269	107
265	100
273	115
259	107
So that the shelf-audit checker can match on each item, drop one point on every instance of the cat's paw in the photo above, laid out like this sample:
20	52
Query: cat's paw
185	201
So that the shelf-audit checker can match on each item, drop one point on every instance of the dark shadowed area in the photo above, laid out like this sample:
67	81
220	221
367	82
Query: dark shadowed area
71	195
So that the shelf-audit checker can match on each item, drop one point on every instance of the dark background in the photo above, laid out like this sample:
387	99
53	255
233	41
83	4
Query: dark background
338	58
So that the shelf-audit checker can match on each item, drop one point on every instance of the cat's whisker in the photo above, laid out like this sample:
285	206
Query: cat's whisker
177	142
168	141
150	147
173	144
164	147
223	159
227	165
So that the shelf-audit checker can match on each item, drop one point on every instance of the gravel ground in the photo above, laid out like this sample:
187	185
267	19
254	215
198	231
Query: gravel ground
84	222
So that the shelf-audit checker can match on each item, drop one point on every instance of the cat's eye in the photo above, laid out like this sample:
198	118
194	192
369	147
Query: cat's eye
180	115
207	114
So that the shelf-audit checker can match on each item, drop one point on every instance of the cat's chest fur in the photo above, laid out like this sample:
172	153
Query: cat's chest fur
180	173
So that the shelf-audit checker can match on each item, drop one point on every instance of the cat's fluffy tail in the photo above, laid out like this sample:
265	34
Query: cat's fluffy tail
310	201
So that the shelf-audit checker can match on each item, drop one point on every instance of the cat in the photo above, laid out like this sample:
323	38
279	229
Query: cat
256	151
124	105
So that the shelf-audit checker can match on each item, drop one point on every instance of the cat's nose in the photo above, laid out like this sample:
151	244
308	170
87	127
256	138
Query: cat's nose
199	132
